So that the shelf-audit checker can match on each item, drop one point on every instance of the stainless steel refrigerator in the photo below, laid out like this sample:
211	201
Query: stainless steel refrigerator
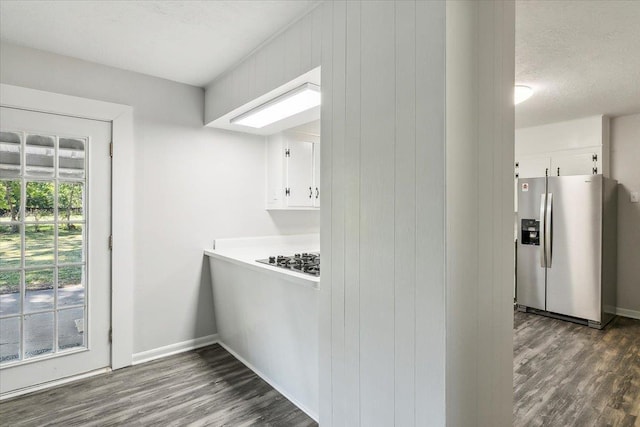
566	251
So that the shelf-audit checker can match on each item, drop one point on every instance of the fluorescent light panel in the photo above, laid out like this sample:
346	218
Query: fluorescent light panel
286	105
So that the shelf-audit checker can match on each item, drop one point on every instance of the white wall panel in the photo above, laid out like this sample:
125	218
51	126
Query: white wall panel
387	330
384	129
377	189
430	214
338	195
405	215
462	197
352	152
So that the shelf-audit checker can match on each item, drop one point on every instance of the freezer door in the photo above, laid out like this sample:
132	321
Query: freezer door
573	273
530	283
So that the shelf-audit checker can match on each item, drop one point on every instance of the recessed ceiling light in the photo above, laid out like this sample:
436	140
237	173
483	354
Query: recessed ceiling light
521	94
286	105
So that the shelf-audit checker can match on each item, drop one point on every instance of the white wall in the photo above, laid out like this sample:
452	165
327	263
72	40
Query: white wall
416	295
625	158
192	184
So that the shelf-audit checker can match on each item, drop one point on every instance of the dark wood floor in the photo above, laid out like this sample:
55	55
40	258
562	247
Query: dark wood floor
564	375
571	375
205	387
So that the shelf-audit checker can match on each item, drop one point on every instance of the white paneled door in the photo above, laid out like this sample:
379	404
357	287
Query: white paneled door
55	262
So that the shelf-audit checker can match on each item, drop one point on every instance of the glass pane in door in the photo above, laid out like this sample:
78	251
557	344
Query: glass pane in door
71	286
38	334
10	295
71	327
39	155
38	290
10	154
39	245
10	245
10	333
71	158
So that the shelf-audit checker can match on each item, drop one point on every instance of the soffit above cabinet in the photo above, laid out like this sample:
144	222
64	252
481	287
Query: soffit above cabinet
299	119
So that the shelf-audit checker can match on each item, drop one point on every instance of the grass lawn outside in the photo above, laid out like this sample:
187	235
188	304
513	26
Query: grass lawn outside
39	252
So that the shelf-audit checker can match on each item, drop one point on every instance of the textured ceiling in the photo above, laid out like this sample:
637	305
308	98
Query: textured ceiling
582	58
187	41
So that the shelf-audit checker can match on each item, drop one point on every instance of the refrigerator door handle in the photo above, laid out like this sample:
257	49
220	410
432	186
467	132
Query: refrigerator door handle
548	230
542	230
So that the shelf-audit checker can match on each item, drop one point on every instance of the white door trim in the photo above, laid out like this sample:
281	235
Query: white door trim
122	268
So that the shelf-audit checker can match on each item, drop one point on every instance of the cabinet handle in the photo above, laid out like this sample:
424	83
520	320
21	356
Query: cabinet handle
310	192
317	192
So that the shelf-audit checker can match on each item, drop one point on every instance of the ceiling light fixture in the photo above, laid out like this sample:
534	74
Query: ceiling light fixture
286	105
521	94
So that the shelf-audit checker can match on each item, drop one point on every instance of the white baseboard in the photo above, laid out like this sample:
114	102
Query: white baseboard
634	314
53	383
171	349
272	383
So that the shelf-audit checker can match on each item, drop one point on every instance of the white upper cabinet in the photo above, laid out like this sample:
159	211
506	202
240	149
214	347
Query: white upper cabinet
560	163
576	163
293	171
530	167
576	147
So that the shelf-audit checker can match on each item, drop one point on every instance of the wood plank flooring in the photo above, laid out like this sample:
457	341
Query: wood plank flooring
564	375
571	375
205	387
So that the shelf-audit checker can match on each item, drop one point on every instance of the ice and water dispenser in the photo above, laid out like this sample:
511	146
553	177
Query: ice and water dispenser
530	232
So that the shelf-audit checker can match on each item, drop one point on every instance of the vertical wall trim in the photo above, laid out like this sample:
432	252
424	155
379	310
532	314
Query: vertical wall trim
326	307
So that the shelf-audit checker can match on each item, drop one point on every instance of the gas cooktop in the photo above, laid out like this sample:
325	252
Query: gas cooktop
308	263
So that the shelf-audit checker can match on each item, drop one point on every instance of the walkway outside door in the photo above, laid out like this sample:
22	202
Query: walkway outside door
55	222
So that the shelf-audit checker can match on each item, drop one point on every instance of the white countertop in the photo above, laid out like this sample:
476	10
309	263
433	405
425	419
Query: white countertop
245	252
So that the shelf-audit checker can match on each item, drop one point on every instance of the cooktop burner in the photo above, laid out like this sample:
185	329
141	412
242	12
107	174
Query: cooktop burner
308	263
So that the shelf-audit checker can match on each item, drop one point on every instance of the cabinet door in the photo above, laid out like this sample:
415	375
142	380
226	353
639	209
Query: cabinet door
316	175
532	167
573	164
275	188
299	174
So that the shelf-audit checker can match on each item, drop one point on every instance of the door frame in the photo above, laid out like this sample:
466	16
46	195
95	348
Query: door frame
122	197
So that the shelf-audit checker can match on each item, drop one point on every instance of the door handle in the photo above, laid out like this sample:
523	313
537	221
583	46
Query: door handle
542	231
317	193
548	232
310	192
